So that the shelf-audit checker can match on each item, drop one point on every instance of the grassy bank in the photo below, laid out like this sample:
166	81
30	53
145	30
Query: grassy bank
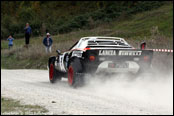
155	27
12	107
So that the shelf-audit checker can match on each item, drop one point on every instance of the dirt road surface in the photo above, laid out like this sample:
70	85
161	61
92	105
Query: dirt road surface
114	96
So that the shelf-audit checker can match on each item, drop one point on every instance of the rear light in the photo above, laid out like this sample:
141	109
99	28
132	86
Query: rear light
92	58
146	58
143	45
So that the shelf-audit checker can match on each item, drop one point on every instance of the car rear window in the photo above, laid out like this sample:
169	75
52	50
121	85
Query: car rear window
91	43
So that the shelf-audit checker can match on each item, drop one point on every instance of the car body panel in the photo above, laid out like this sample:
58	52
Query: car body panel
105	50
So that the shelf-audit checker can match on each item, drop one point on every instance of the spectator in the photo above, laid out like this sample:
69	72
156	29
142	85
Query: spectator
10	43
47	41
27	34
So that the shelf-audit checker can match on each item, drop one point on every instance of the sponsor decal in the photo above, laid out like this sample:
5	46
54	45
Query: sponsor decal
107	52
121	53
130	53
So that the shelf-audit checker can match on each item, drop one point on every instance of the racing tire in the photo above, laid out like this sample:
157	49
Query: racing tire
75	76
54	75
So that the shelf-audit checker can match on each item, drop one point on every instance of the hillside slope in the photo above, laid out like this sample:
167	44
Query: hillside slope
65	16
155	27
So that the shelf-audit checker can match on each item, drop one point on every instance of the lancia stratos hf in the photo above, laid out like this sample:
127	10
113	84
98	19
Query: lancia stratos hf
94	55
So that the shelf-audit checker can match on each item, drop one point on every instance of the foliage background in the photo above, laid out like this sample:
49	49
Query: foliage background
58	17
67	21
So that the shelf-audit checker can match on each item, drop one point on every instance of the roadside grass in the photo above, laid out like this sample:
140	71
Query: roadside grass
12	107
155	27
32	58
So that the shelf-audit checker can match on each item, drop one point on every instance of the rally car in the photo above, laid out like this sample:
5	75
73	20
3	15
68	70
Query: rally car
95	55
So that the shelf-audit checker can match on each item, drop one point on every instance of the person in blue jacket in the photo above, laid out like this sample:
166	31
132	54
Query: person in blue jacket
47	41
10	43
27	34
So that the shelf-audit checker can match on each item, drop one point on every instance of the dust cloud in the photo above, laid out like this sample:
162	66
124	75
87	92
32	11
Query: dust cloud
154	88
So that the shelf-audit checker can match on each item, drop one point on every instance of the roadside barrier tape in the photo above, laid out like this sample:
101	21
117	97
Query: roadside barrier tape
162	50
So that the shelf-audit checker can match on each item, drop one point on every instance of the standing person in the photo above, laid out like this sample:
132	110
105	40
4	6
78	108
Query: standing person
47	41
27	34
10	43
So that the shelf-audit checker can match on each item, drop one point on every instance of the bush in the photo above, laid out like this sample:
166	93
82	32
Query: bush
78	21
64	29
144	6
26	14
44	19
98	15
36	25
74	24
5	24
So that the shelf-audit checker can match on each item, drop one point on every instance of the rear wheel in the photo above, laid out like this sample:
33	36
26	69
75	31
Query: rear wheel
54	75
75	77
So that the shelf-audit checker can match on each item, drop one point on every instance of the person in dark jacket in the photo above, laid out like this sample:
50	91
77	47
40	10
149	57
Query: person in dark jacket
27	34
47	41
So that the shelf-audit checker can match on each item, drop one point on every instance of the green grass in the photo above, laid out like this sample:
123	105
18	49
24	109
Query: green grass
10	106
141	23
155	27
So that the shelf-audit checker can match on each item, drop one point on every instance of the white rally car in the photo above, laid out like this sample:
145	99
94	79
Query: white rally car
98	55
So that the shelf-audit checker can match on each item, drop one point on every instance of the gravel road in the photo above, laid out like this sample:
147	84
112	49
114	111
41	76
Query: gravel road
114	96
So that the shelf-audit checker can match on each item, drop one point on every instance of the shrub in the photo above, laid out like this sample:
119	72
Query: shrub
36	25
58	22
